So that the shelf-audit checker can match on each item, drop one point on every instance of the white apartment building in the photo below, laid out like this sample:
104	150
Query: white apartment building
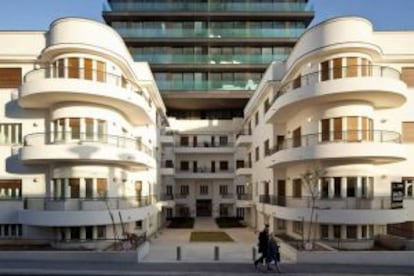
341	105
79	132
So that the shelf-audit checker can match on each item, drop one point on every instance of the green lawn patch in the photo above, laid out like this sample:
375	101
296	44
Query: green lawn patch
202	236
229	222
179	223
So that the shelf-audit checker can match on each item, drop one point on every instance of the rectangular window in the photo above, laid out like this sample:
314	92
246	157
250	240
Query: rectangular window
408	132
256	118
169	164
407	75
203	190
101	187
297	187
74	187
351	186
61	68
74	125
325	71
10	134
297	138
100	71
297	227
296	82
257	154
337	68
337	129
88	75
10	77
364	231
239	164
75	233
325	187
88	187
352	129
89	232
351	232
224	189
10	188
224	165
352	67
73	68
184	166
184	190
184	141
101	232
366	67
223	140
325	127
337	187
266	147
138	224
337	231
324	231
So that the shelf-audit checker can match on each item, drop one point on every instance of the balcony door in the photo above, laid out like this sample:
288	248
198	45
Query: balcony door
138	190
281	192
297	137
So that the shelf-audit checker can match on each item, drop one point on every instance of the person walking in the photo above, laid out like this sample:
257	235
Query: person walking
263	245
273	254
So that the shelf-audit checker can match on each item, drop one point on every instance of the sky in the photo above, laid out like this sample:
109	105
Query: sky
38	14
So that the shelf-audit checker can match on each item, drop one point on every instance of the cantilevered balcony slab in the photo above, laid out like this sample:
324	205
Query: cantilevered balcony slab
41	89
381	86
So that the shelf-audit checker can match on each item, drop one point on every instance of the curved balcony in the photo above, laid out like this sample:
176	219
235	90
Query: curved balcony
373	210
379	85
43	88
49	147
362	146
244	138
85	211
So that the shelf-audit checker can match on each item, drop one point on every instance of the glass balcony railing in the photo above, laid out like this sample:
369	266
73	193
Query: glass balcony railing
208	85
208	59
196	6
209	33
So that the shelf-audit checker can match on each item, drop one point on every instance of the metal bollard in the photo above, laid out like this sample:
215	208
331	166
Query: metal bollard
178	253
254	253
216	253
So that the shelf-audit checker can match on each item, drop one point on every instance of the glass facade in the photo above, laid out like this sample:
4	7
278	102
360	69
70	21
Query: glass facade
209	46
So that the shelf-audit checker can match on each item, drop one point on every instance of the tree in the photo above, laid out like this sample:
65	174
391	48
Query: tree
310	179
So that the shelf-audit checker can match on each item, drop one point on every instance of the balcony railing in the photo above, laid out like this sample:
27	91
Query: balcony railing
347	136
209	33
366	71
87	75
244	197
165	197
227	196
206	145
78	204
246	132
245	165
382	202
209	59
206	85
181	196
205	170
211	6
56	138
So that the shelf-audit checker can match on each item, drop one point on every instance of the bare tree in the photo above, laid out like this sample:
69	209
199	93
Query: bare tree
310	179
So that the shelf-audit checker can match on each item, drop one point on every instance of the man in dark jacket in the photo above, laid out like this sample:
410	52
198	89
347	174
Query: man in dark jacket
263	245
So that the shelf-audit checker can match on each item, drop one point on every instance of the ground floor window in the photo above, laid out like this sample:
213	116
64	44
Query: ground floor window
11	230
297	227
240	212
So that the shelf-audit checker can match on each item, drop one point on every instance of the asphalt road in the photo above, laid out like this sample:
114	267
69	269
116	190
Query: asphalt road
211	269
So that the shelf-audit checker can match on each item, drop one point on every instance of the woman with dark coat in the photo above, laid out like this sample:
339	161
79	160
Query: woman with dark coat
263	245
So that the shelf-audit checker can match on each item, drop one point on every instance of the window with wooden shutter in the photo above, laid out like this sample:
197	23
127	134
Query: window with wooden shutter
325	71
408	132
352	131
337	70
352	67
10	77
100	71
88	69
73	70
325	129
407	75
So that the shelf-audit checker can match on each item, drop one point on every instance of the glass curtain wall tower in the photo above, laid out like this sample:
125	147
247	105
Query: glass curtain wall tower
208	55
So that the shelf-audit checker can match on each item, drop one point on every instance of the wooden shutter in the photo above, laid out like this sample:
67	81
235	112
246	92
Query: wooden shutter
407	75
337	128
101	187
10	77
325	71
73	64
352	67
100	71
352	129
325	129
88	68
408	132
337	64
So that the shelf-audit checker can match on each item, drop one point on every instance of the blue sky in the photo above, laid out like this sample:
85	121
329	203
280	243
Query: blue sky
38	14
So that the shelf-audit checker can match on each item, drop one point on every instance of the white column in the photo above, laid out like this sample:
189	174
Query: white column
359	232
2	135
319	187
343	231
95	129
94	232
94	187
344	186
82	233
66	187
82	126
331	188
10	130
82	187
67	234
67	132
58	188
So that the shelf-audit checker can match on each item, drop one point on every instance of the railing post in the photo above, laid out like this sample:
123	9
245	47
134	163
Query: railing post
178	253
216	253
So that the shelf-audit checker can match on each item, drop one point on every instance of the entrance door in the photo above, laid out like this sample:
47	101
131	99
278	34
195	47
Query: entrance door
203	207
